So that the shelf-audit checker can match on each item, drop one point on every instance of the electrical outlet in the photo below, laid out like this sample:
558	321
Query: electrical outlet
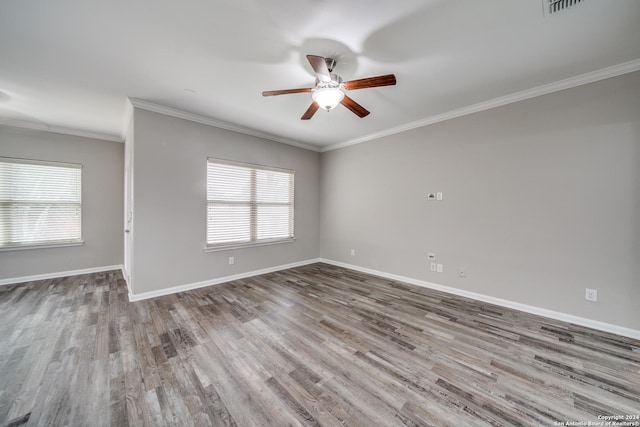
591	295
232	260
353	252
433	266
431	256
462	271
439	268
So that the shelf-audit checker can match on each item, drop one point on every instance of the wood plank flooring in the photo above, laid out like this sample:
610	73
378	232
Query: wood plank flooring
315	345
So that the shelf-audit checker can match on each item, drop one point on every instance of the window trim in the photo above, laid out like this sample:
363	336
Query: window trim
231	246
254	243
41	246
47	244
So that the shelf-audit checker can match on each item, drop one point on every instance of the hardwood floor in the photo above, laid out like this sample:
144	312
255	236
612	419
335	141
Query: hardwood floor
315	345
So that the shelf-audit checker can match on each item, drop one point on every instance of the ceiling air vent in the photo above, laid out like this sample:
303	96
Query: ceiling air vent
553	6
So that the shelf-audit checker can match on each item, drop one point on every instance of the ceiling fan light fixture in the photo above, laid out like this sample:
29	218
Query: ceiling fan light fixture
329	90
327	98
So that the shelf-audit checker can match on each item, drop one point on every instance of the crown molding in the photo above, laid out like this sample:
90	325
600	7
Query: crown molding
174	112
582	79
24	124
127	119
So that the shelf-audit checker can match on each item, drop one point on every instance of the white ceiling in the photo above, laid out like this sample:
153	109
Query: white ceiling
70	65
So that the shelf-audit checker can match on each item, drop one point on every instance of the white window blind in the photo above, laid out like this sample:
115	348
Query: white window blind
40	203
248	204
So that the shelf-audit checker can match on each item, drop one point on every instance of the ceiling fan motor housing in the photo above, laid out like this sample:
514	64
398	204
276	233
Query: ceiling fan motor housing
336	81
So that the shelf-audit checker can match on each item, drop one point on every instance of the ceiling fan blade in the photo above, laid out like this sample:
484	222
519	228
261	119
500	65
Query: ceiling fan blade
386	80
285	91
319	65
352	105
310	111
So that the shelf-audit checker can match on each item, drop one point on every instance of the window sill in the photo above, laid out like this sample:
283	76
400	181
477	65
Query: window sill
247	245
41	246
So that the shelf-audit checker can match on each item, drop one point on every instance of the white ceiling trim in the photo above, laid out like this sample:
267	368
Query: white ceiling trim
605	73
174	112
60	129
582	79
127	117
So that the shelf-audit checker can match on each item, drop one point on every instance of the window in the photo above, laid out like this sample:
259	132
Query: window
248	204
39	203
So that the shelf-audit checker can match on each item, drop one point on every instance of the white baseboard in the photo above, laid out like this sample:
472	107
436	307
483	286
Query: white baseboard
218	281
14	280
581	321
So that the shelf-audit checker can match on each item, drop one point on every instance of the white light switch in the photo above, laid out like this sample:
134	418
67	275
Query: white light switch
439	195
439	268
433	266
232	260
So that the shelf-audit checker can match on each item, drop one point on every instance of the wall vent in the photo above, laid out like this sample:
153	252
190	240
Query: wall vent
553	6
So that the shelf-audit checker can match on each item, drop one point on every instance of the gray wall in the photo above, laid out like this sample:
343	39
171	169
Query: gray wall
102	206
169	191
541	200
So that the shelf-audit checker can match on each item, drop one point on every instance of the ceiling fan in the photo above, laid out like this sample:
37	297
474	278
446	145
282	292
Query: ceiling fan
329	90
